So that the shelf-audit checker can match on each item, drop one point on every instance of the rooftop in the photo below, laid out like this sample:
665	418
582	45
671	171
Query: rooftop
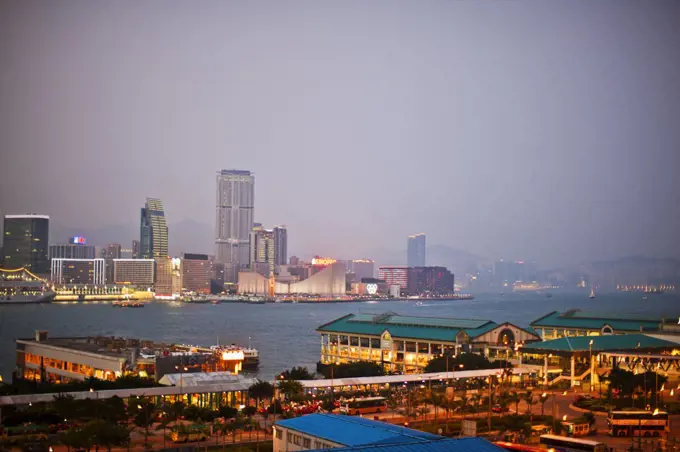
618	342
355	431
433	328
442	445
576	318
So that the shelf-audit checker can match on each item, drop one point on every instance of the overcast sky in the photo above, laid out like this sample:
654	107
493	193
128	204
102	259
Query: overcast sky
517	129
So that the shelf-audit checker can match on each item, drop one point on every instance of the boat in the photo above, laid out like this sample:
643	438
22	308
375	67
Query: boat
548	295
419	303
25	292
251	358
653	290
256	300
592	293
127	304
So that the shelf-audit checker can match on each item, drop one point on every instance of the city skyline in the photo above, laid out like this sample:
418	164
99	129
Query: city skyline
509	150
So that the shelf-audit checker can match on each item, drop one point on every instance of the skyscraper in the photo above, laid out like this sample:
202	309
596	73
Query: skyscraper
153	238
280	245
135	249
234	219
262	250
25	242
415	256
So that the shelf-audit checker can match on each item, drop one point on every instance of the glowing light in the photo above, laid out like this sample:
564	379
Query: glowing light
564	418
371	289
236	355
323	261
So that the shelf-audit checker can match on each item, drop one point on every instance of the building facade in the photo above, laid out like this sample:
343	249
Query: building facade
137	272
197	271
135	249
234	219
71	251
78	271
435	280
168	283
280	245
363	268
262	250
25	242
329	281
112	251
153	238
416	250
407	344
394	276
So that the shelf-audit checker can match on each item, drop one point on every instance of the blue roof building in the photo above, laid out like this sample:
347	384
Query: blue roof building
443	445
406	344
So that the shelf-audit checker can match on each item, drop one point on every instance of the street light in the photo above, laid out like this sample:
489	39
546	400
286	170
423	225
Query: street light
590	363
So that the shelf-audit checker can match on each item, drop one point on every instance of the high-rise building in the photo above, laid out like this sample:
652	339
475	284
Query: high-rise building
234	219
137	272
26	242
394	276
262	250
168	277
78	271
76	248
436	280
415	256
153	240
112	251
363	268
197	271
280	245
135	249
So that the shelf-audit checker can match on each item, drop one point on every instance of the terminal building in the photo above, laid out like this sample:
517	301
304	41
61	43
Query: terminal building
328	281
407	344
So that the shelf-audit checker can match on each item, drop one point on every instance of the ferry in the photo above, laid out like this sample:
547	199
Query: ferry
592	294
127	304
24	292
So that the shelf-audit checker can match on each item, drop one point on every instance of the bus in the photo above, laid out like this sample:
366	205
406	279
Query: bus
188	433
578	428
364	405
518	447
637	423
567	444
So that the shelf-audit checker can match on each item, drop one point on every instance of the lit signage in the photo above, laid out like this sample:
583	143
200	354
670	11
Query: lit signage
176	264
235	355
323	261
371	289
386	341
78	240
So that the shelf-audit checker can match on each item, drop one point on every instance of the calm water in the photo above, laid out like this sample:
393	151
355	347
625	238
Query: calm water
284	333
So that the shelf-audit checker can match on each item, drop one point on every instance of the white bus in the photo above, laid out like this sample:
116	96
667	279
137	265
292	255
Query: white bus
567	444
637	423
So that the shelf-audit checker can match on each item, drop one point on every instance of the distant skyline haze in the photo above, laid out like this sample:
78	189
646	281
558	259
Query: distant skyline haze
543	131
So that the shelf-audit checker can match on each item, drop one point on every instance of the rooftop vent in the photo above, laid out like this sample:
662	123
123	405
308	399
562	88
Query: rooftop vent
40	336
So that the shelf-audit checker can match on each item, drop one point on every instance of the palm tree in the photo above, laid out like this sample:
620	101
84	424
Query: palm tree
290	388
513	397
529	400
503	402
261	390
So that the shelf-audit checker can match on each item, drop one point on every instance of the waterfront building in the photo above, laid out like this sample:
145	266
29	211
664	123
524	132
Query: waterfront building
153	237
394	276
168	278
135	249
328	281
280	245
234	219
326	431
197	271
406	344
370	287
576	322
25	242
362	268
112	251
78	271
262	250
63	359
76	248
137	272
435	280
416	250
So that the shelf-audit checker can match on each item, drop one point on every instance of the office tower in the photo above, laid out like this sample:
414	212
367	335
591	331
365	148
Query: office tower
76	248
394	276
363	268
197	271
262	250
26	242
280	245
168	277
435	280
136	272
113	251
234	219
153	240
416	250
135	249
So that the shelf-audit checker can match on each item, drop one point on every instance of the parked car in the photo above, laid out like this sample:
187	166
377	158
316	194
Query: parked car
500	409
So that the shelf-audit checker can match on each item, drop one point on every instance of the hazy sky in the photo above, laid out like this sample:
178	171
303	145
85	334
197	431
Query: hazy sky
545	130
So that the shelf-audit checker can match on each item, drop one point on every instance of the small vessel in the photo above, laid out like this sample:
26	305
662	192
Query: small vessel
419	303
644	298
251	358
256	300
548	295
592	293
127	304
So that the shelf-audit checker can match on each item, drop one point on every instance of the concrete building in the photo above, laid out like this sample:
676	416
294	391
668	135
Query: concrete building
78	271
197	271
135	249
76	248
280	245
136	272
262	250
168	283
329	281
153	238
25	242
362	268
326	431
406	344
234	219
416	250
394	276
434	280
112	251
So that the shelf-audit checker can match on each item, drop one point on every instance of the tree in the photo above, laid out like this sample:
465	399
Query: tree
514	397
65	406
351	370
227	412
261	390
105	434
503	402
290	388
468	361
143	416
296	373
529	400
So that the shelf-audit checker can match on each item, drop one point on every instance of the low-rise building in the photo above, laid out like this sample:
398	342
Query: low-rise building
326	431
406	344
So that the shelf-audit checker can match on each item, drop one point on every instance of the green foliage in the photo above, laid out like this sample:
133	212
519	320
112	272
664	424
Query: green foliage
98	433
261	390
227	412
290	388
351	370
249	411
297	373
32	387
469	361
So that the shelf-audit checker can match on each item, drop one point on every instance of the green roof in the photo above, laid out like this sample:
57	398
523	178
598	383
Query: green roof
594	321
619	342
430	328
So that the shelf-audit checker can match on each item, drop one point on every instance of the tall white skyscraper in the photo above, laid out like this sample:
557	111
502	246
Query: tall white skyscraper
234	219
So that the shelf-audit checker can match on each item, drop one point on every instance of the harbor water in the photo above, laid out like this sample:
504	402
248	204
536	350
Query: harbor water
285	334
